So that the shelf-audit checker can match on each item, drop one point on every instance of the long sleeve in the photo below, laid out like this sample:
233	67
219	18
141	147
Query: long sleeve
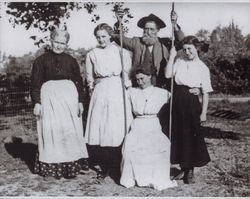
89	72
37	75
78	80
179	36
128	43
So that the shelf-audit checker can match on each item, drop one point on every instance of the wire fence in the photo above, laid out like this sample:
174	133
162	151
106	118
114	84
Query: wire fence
16	111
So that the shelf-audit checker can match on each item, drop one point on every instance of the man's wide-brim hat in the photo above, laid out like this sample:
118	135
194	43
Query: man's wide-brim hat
141	23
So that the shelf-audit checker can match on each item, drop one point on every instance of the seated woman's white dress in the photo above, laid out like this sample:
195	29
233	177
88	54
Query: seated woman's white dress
146	150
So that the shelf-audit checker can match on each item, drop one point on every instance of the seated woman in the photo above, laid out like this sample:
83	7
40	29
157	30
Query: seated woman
146	150
57	94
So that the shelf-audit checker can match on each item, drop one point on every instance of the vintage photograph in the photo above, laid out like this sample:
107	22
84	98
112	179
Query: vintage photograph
124	99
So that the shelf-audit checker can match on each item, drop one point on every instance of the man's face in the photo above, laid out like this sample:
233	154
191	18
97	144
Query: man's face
150	33
150	29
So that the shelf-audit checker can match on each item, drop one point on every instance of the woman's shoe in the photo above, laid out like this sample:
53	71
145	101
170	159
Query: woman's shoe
102	175
179	176
189	177
85	165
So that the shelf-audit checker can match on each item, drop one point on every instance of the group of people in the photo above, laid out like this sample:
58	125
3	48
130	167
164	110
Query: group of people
142	153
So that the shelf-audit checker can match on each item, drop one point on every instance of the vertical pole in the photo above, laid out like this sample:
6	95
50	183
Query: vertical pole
172	84
123	78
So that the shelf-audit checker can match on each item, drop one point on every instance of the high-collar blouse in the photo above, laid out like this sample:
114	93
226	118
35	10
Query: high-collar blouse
52	66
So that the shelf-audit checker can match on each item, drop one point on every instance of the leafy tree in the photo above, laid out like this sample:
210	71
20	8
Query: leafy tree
44	15
227	43
228	60
203	35
47	15
247	42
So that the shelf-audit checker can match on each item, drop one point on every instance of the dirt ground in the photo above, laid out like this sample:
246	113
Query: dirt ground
226	175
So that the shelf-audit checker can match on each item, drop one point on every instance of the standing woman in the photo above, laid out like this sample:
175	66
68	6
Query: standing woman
188	147
57	94
105	123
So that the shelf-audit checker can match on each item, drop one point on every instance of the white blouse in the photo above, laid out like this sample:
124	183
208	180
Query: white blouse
106	62
147	101
192	73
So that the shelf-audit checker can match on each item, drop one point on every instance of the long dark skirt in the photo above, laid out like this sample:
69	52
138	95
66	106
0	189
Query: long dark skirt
188	147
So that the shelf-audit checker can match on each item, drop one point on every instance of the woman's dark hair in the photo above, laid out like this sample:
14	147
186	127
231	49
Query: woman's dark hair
199	45
144	69
103	26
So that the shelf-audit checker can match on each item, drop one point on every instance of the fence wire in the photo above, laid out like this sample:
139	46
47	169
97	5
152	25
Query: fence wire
16	111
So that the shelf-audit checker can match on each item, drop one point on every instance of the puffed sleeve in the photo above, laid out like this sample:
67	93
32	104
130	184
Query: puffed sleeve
89	72
78	80
37	78
206	85
164	96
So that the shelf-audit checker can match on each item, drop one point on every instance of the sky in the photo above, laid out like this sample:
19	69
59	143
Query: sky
192	16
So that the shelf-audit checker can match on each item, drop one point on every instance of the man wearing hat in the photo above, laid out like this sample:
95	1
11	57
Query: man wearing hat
150	50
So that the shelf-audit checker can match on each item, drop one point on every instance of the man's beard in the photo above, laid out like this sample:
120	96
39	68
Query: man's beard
149	40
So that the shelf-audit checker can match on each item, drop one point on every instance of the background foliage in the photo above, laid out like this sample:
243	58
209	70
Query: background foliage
228	57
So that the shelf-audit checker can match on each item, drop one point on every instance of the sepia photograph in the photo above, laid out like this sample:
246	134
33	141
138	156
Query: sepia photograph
124	99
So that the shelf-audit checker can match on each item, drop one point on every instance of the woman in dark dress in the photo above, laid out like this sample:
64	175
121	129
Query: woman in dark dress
57	92
188	148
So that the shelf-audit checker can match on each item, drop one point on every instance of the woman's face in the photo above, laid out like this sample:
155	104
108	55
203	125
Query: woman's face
190	51
59	44
143	80
103	38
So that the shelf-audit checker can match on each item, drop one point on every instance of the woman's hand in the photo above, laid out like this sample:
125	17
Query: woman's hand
203	117
195	91
173	53
80	109
37	111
